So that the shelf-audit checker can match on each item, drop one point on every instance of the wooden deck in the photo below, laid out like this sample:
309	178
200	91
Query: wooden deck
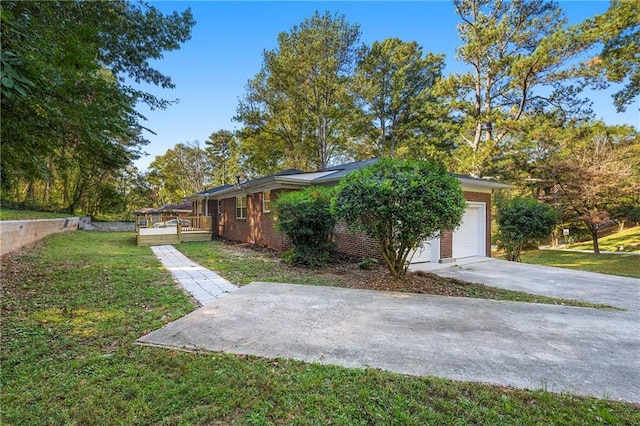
199	229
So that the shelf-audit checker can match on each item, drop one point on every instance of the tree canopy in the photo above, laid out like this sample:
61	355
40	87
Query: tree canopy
618	32
294	107
73	73
517	70
68	104
182	171
395	104
223	153
593	173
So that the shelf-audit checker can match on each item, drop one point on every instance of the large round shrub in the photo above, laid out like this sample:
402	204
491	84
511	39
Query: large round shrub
400	204
305	218
523	221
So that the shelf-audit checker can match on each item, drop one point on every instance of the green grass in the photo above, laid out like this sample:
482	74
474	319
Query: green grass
629	240
73	306
244	268
626	265
8	214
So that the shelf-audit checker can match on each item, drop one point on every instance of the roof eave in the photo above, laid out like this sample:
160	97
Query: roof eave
482	184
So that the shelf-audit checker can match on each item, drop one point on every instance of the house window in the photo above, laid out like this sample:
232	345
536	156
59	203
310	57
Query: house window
241	207
219	206
266	201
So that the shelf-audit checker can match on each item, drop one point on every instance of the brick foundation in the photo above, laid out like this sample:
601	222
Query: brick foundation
355	243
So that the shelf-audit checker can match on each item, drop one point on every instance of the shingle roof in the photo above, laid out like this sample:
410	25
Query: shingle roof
214	190
296	178
344	169
288	172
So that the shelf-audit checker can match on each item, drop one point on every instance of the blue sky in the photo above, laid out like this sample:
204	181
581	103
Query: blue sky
211	70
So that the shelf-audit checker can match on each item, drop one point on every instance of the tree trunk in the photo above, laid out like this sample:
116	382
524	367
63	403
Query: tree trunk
594	236
29	199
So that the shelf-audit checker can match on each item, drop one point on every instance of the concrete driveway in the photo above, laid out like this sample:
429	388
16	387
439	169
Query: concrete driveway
555	282
561	349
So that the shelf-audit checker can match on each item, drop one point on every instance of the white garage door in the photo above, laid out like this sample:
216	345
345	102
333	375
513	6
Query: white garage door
468	240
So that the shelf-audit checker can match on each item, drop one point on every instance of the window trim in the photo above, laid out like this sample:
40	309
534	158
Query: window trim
266	201
240	208
219	207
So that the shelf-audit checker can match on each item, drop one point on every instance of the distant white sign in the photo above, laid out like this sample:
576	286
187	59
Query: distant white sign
565	231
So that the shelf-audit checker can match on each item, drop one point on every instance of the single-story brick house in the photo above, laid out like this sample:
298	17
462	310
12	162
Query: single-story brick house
243	213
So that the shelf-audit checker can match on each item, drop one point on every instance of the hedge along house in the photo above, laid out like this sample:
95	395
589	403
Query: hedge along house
243	213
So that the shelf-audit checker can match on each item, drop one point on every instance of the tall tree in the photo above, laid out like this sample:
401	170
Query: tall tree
594	173
294	106
132	186
393	89
223	152
182	171
618	31
518	69
70	107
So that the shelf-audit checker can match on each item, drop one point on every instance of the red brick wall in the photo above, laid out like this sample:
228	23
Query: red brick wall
446	245
355	244
258	228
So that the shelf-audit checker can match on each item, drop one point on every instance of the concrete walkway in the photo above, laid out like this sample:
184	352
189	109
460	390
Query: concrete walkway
563	283
562	349
202	284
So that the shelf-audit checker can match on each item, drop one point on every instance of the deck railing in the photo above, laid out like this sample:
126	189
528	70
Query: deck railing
181	224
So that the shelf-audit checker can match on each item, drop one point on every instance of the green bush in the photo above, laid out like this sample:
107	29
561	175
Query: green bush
400	204
367	263
524	222
305	218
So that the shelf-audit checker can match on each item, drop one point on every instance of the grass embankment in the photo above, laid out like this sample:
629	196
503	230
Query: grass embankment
8	214
73	307
625	265
242	266
628	240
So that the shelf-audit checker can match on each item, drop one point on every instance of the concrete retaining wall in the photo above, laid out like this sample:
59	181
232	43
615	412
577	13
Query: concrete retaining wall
88	225
17	233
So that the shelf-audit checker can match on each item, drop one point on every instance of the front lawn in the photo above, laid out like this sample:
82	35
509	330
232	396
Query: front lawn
626	265
73	306
627	240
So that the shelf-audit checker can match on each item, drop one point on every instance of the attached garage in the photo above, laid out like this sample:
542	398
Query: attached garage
469	239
